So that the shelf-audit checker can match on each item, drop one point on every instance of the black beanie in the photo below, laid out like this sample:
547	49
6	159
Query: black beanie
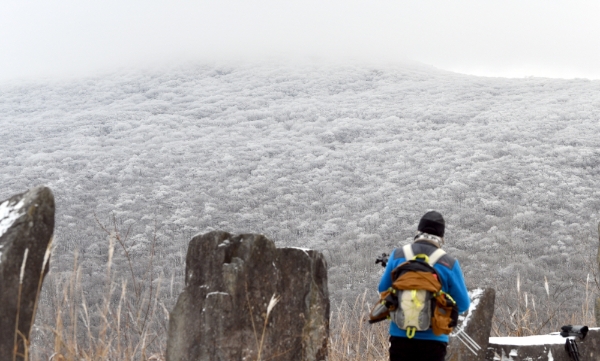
432	223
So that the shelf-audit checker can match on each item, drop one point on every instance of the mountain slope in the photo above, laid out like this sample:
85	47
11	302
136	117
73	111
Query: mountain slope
341	159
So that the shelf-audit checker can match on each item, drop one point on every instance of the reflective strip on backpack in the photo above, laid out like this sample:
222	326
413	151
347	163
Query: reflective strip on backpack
435	256
408	252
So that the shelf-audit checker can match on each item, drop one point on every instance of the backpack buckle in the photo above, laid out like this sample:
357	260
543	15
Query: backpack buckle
422	256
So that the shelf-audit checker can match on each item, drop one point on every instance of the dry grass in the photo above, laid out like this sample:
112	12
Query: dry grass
519	313
130	322
127	324
123	328
352	337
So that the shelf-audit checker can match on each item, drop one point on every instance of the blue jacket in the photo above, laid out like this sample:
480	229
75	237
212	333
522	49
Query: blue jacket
453	283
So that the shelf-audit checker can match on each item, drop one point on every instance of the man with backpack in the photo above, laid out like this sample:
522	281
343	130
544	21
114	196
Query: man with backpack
425	290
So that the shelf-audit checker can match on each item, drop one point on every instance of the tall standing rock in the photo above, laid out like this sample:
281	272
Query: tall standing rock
597	305
26	227
476	325
223	312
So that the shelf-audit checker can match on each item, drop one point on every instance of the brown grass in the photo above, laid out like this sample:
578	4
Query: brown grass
130	322
352	337
519	313
129	329
125	325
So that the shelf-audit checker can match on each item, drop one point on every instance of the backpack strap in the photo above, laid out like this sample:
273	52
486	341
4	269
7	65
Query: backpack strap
408	252
432	258
435	256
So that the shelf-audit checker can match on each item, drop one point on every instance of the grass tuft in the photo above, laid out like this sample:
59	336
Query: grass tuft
130	320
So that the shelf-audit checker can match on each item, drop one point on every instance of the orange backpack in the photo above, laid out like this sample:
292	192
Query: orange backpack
416	302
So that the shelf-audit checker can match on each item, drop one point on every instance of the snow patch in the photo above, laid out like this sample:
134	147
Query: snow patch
217	293
474	295
9	214
305	250
552	339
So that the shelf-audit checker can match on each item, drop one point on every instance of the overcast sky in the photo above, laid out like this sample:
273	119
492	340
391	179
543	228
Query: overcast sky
552	38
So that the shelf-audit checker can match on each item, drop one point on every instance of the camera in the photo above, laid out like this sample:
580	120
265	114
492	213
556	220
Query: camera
574	331
578	332
383	259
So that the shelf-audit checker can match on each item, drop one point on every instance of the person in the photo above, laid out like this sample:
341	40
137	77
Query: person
425	345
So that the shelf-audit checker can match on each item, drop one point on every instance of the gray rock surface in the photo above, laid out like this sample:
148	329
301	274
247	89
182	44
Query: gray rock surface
542	348
597	310
597	303
26	226
477	324
230	280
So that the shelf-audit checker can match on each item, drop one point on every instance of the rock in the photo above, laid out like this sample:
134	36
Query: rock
542	348
26	227
597	303
597	310
223	311
477	324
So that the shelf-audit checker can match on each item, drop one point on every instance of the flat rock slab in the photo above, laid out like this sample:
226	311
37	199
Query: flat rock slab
26	227
469	341
223	311
542	348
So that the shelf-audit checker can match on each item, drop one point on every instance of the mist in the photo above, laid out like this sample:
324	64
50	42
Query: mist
492	38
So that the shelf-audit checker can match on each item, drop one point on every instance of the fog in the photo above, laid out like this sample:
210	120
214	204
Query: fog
491	38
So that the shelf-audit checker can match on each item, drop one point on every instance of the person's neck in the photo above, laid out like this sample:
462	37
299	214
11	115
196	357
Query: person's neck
433	243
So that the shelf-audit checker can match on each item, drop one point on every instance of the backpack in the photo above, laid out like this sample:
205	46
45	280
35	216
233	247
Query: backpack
416	302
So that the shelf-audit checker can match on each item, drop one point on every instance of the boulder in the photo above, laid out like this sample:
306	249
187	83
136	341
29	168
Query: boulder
26	227
475	325
542	348
597	310
228	310
597	303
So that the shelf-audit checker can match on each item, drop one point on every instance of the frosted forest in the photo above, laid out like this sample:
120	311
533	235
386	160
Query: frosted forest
341	159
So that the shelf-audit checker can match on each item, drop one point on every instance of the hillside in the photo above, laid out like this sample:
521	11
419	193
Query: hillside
341	159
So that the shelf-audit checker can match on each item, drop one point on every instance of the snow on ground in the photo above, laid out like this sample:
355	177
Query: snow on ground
551	339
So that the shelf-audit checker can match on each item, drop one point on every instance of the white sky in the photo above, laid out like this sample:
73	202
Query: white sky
553	38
